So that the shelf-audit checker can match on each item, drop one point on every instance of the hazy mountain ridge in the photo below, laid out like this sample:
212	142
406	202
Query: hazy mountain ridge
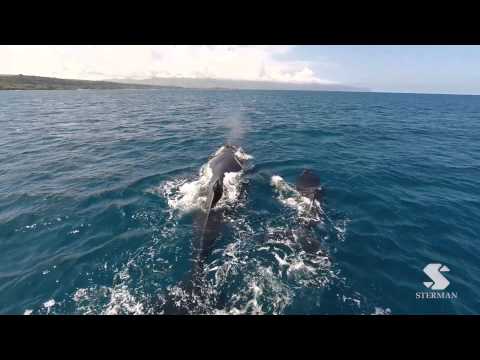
210	83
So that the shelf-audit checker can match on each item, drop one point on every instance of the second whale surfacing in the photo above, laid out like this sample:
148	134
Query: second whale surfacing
305	196
308	184
227	160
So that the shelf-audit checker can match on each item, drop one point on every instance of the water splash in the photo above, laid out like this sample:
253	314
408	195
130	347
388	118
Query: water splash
290	197
184	196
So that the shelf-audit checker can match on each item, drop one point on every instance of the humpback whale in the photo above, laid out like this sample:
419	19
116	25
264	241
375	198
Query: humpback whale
225	160
308	184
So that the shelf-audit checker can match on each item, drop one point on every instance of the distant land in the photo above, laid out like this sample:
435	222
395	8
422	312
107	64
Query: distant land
25	82
206	83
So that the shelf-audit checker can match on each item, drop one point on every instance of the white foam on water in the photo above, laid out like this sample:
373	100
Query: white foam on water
242	155
231	188
107	301
80	294
341	228
282	262
290	197
301	268
308	272
119	299
89	300
263	289
122	302
48	305
230	264
351	300
263	293
183	195
381	311
201	302
28	312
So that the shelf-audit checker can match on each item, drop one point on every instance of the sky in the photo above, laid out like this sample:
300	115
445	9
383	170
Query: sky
393	68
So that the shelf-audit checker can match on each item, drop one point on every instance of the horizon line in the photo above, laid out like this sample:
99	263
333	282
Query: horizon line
352	90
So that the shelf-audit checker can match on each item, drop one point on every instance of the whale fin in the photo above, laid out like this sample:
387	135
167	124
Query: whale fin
214	195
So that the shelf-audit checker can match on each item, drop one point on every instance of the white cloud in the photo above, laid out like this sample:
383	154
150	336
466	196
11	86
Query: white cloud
138	62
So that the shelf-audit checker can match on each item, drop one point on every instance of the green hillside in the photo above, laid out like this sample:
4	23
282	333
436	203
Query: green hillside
23	82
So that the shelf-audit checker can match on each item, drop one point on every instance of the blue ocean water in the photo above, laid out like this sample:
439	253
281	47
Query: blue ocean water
92	185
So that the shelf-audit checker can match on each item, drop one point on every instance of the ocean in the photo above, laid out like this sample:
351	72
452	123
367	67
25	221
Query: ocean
99	191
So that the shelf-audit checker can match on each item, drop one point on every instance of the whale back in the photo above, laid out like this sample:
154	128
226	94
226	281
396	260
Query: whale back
224	162
308	182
